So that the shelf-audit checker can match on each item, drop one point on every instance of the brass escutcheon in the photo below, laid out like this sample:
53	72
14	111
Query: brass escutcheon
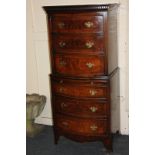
93	127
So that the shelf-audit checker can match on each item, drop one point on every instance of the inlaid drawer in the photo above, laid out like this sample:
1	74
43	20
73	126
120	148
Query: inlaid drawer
77	23
80	65
78	43
81	126
81	108
79	88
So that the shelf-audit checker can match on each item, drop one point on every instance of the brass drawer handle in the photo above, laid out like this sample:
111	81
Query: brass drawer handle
89	65
63	105
89	44
88	24
62	44
92	92
93	127
65	123
93	109
62	63
61	25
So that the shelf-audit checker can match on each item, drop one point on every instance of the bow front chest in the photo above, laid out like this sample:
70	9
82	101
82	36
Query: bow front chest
80	86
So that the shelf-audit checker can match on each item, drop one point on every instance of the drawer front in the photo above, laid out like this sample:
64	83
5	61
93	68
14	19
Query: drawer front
81	126
80	65
74	88
78	43
81	108
77	23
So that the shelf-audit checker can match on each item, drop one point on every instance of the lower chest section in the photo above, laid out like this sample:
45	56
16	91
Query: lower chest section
81	106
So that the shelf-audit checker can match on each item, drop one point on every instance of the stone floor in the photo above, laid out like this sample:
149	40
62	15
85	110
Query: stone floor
43	144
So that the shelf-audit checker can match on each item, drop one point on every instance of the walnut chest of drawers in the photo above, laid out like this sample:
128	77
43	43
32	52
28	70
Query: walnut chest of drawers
80	86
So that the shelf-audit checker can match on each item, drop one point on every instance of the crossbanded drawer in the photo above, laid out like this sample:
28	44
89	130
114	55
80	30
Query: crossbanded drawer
78	23
81	126
81	88
81	108
78	43
80	65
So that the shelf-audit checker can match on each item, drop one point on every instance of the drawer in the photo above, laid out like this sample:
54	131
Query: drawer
81	108
78	43
80	65
81	88
77	23
81	126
